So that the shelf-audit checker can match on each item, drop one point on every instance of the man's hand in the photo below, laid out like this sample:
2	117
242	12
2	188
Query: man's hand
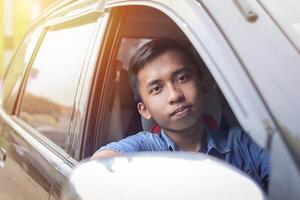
105	154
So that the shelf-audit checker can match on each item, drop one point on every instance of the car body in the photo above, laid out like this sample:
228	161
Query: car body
64	93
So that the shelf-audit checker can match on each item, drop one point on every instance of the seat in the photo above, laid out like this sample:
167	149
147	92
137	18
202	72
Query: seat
125	119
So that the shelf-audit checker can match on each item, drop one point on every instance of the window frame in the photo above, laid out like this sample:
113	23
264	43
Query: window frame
99	91
81	124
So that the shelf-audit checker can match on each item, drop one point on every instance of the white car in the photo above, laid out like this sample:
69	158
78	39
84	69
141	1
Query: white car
65	92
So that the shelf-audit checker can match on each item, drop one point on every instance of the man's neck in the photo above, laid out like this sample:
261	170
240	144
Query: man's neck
188	140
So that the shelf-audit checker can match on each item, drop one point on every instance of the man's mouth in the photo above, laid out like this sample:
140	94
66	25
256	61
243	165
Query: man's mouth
181	111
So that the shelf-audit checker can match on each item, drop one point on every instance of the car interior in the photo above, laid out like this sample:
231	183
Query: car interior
140	25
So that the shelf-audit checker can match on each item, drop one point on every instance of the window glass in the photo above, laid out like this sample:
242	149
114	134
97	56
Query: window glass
287	15
17	68
50	91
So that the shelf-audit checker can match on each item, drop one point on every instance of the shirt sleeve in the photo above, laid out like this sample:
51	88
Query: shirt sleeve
258	159
261	161
131	144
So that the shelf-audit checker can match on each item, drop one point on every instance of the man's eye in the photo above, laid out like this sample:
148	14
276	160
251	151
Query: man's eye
182	78
155	90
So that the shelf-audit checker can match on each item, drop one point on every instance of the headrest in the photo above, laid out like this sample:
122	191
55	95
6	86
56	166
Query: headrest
124	89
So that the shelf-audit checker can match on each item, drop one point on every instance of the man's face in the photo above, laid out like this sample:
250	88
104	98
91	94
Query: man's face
171	92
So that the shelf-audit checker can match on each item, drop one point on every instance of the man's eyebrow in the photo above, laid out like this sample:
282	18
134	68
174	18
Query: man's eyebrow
174	74
181	70
151	83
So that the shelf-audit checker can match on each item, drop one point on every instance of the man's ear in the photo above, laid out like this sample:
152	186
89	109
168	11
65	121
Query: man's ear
143	110
206	85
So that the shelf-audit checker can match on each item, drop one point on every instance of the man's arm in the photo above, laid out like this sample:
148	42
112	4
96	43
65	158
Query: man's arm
105	154
262	164
253	159
260	159
135	143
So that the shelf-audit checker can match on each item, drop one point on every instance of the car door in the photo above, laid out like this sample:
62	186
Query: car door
16	157
40	90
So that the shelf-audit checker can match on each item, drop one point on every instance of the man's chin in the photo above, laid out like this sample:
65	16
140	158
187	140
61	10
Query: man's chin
186	125
179	128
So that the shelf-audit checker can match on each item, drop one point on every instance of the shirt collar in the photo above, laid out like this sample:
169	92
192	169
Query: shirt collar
217	140
214	140
171	145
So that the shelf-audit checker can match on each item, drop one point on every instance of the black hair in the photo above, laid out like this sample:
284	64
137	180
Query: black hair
152	50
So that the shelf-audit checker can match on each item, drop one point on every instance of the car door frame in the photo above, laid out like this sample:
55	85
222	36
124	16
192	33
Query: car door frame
82	124
218	56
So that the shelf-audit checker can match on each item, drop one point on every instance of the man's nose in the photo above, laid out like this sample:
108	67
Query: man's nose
175	94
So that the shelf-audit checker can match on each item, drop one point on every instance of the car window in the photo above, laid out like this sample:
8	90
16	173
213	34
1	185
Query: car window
49	95
287	15
124	119
16	69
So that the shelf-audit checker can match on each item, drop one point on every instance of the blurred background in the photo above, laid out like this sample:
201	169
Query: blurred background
15	18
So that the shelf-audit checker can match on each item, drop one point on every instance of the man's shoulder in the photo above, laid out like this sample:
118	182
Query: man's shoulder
246	155
240	139
142	141
239	135
155	140
234	136
145	135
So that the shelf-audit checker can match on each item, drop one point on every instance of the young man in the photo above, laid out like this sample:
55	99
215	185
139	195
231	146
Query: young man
166	80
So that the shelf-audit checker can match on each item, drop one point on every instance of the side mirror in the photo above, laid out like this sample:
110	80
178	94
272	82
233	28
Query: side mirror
159	176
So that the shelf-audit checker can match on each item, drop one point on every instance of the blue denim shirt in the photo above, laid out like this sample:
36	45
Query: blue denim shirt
234	147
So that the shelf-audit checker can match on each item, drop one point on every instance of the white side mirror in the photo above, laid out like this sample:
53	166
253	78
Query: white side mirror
159	176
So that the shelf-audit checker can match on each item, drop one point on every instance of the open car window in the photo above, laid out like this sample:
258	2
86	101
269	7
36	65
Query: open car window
140	25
